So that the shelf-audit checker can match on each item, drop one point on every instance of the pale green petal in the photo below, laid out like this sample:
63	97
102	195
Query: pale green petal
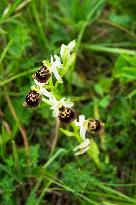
83	147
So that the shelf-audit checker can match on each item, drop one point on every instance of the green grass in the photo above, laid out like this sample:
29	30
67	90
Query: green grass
37	168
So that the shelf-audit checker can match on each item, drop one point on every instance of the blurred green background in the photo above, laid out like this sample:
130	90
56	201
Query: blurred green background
103	87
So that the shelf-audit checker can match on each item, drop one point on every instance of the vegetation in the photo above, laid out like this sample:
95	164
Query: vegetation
37	163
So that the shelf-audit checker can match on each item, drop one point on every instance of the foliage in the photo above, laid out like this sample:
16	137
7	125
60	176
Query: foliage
102	86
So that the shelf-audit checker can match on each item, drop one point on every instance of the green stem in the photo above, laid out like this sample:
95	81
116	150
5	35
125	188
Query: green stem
18	76
97	162
59	152
80	36
101	48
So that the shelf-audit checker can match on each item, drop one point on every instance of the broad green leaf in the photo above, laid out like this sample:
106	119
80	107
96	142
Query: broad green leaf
123	20
94	152
105	101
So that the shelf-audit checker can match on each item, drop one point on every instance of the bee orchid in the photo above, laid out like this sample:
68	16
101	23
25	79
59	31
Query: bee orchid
62	109
54	66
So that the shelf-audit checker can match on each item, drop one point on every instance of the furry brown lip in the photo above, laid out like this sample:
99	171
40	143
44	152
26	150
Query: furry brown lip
42	75
32	99
94	125
67	115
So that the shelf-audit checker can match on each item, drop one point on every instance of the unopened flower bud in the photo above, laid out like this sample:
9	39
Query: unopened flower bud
83	147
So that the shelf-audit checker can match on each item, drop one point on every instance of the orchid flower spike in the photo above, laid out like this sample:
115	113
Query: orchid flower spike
83	147
83	124
66	50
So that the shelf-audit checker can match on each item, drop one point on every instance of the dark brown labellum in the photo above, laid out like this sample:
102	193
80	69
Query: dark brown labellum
67	115
94	125
42	75
32	99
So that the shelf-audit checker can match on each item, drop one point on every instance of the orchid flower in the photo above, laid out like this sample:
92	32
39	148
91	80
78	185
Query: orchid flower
61	109
54	65
56	105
